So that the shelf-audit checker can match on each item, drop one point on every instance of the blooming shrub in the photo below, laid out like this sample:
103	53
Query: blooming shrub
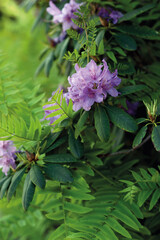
91	170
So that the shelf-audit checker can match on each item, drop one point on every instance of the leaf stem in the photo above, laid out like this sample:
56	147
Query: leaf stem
85	29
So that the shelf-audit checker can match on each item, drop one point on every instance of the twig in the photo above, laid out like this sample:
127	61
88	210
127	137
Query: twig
130	150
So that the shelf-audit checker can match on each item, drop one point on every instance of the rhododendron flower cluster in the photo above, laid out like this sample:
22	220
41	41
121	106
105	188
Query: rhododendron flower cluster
109	14
91	84
65	15
7	156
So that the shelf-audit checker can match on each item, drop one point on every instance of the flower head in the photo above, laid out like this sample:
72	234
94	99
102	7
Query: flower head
109	14
132	107
91	84
7	156
65	15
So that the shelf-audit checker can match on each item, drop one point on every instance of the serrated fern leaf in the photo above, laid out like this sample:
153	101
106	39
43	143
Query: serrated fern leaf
146	188
15	128
60	107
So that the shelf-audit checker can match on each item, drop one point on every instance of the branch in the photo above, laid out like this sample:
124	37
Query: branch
130	150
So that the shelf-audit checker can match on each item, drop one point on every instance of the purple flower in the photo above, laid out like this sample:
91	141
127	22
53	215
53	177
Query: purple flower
7	156
132	107
65	15
91	84
48	112
115	15
103	12
109	14
60	38
53	42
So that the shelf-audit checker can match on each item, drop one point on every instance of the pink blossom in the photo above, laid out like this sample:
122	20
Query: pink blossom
65	15
109	14
91	84
7	156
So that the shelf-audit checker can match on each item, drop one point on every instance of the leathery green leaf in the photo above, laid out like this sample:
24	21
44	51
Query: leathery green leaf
102	123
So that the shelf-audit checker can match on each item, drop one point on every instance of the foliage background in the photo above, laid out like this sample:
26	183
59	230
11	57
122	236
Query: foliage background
20	48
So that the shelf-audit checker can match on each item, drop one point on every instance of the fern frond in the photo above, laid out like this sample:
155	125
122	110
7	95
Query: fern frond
18	129
60	108
73	57
16	95
148	190
73	34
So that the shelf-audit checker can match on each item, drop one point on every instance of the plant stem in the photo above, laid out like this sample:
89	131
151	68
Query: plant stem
85	29
130	150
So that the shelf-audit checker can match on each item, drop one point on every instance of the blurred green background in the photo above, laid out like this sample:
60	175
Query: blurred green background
20	49
22	46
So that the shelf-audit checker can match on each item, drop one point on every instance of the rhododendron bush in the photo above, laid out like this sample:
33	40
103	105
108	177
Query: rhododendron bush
80	137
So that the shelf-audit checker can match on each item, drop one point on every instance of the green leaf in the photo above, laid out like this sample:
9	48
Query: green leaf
135	209
93	49
5	187
154	199
125	68
102	124
28	192
73	207
80	124
39	18
55	215
122	119
107	231
126	42
58	173
49	63
125	219
48	141
111	55
4	108
60	158
82	235
141	120
125	210
116	226
143	196
37	176
57	234
75	145
99	37
77	195
58	143
139	137
58	101
135	12
14	183
101	47
2	180
144	32
156	137
61	50
131	89
120	51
